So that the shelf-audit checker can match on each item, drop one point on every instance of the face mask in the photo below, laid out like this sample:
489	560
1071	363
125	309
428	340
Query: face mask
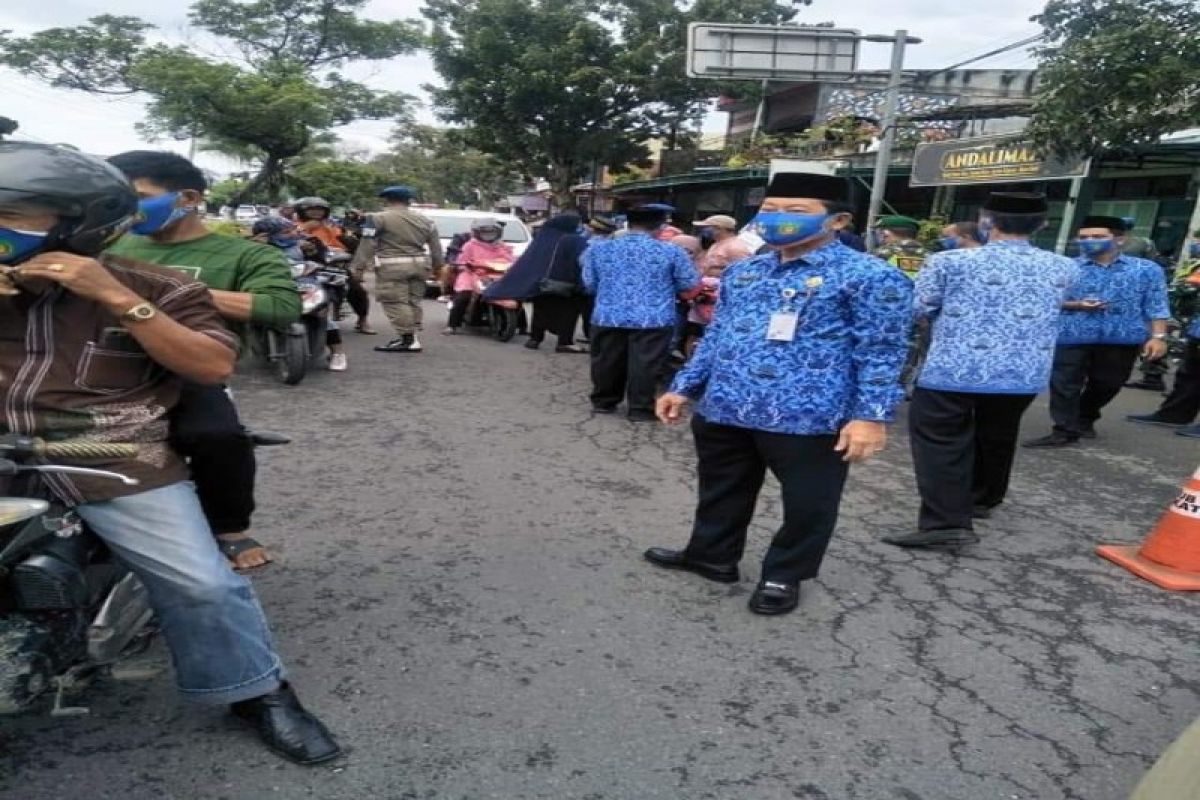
985	230
16	243
489	237
1095	247
949	242
285	241
157	213
1194	249
782	228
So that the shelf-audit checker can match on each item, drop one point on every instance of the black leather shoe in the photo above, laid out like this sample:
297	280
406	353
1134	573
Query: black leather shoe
675	559
981	512
604	409
952	537
1191	431
1087	431
1154	419
1055	439
772	599
642	416
533	344
1153	386
287	728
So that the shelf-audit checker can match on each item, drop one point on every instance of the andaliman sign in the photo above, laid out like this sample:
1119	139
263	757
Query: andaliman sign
992	159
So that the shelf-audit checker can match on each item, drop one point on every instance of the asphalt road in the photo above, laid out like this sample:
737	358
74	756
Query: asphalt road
460	593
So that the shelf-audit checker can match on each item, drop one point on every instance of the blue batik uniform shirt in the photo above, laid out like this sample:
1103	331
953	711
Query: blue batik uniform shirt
995	313
843	364
636	280
1135	290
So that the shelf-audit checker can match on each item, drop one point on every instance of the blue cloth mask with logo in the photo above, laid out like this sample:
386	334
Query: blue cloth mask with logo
949	242
156	213
1194	249
985	229
16	244
1096	247
783	228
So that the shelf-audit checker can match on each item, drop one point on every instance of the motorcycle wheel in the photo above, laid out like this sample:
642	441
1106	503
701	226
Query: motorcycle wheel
24	675
503	323
293	365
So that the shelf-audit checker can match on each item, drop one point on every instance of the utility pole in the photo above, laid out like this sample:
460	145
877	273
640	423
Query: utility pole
883	158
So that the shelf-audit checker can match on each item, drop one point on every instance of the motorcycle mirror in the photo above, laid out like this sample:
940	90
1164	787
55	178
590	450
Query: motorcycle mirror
19	509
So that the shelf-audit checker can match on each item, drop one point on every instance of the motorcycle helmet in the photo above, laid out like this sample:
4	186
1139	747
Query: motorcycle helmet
488	230
306	203
271	226
402	193
94	201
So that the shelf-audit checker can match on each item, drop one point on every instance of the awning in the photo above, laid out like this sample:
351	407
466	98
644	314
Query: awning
704	177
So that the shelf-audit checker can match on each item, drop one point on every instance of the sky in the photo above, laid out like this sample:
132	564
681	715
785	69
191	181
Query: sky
951	31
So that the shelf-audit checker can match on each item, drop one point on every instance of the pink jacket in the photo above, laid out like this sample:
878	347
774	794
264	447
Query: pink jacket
478	253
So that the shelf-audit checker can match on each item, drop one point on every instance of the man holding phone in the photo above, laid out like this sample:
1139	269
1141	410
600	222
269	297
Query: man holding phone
1116	311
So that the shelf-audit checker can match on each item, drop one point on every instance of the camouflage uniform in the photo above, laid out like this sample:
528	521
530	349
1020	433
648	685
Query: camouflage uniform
405	245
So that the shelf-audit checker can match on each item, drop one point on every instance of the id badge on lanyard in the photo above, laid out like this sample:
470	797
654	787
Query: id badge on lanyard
783	324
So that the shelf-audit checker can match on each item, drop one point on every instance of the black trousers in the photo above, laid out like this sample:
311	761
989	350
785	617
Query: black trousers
206	430
558	315
589	305
1183	403
1085	379
357	297
458	309
963	446
628	360
733	464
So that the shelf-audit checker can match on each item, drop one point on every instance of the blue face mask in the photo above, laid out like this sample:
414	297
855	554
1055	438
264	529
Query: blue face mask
1194	249
985	230
156	213
783	228
285	241
15	243
949	242
1096	247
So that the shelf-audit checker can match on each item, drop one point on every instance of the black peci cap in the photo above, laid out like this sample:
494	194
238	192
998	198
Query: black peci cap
1016	203
1114	224
804	184
649	214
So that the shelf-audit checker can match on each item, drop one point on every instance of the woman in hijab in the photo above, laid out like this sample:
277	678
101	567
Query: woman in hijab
553	255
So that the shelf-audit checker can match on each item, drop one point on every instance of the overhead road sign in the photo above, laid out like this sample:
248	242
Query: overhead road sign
771	52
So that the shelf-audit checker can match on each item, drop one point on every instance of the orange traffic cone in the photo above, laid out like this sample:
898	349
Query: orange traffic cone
1170	557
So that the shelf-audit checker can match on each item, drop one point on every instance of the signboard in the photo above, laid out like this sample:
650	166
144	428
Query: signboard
770	52
991	159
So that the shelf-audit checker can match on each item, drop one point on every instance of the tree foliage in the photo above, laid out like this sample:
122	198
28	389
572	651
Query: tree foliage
445	168
553	87
282	92
1116	73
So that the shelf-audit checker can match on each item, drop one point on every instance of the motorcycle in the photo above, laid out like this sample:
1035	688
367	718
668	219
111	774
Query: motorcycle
68	609
322	289
502	318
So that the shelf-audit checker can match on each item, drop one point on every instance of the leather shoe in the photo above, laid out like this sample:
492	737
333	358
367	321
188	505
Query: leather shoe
1191	431
1154	419
772	599
675	559
287	728
981	512
1055	439
950	537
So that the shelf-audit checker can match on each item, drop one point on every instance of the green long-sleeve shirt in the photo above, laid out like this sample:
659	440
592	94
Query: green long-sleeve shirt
229	264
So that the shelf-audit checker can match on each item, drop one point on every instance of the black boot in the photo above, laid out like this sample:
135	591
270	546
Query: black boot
287	728
405	344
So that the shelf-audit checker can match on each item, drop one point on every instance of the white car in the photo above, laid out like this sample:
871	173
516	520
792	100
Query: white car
451	221
246	214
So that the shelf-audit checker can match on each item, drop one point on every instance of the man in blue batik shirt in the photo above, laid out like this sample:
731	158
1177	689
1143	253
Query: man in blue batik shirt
798	373
635	280
1117	310
994	313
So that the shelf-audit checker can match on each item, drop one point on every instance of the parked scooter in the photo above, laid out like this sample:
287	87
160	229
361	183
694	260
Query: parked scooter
68	609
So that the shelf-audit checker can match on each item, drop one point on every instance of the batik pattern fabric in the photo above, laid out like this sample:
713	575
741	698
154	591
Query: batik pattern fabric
1134	291
994	313
636	281
853	315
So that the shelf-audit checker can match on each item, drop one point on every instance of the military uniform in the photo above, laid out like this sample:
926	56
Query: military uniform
405	246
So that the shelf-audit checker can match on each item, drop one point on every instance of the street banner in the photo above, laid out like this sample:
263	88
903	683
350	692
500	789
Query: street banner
989	159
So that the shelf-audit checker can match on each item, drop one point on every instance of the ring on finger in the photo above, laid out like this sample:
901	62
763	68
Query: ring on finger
56	267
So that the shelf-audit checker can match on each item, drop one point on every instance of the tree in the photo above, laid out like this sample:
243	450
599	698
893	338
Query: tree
444	168
352	184
7	127
1115	73
555	87
282	90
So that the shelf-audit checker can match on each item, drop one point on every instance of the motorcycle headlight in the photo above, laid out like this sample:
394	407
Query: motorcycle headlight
19	509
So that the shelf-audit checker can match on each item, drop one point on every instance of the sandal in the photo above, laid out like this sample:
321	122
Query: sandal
232	548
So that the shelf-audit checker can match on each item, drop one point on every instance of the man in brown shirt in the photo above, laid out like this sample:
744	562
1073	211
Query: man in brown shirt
97	350
399	237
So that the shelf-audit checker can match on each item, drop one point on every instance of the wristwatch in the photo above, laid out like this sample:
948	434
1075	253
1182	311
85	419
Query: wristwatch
142	312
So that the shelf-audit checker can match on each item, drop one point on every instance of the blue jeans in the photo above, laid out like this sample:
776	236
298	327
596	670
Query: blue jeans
219	640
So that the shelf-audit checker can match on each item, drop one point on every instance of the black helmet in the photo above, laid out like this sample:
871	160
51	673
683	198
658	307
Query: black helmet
305	203
93	200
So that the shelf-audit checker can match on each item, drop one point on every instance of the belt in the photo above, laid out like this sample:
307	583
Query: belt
393	259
